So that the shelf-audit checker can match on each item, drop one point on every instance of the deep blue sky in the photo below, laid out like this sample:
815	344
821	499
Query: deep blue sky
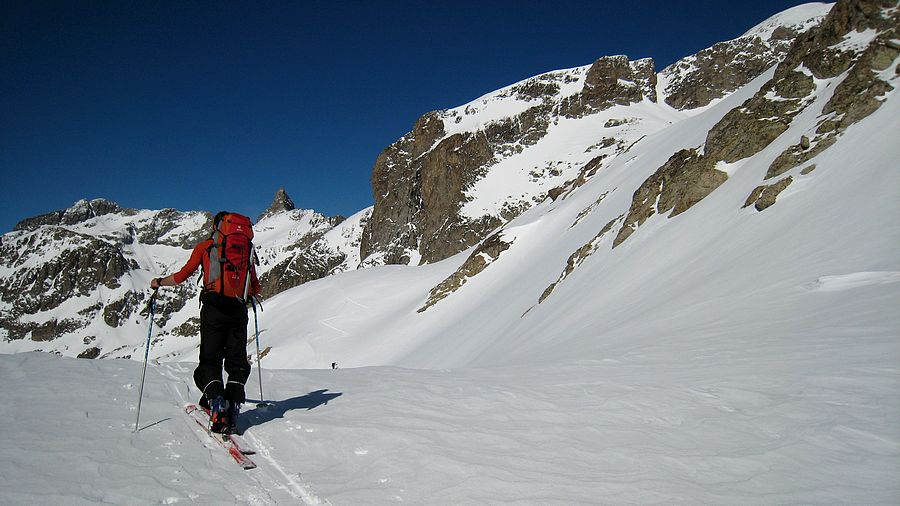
209	105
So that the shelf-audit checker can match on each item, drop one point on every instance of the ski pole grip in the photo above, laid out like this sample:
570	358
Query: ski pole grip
152	299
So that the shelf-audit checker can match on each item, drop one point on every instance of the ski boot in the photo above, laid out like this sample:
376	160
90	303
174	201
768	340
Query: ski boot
234	411
219	411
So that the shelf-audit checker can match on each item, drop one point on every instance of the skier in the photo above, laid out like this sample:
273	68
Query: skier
229	281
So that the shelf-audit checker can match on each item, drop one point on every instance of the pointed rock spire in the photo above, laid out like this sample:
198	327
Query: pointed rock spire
282	202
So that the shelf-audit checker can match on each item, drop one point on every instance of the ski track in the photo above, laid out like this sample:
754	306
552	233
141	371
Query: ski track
264	479
291	485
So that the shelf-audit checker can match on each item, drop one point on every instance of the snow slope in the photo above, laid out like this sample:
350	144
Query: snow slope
636	428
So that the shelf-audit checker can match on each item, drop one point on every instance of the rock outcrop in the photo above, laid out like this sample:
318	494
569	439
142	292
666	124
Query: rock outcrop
824	52
81	211
420	182
715	72
485	254
685	179
281	203
762	197
612	80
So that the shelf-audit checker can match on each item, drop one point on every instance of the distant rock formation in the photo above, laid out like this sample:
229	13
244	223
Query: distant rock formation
281	203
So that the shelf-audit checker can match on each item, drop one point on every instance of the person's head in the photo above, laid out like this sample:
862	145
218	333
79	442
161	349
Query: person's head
218	218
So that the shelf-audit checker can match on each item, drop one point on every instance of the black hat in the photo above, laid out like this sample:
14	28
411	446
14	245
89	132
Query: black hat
218	218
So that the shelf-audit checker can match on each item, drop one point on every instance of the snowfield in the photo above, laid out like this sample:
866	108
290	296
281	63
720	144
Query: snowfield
806	425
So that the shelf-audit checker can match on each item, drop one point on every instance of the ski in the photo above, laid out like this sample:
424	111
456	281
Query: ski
229	442
236	439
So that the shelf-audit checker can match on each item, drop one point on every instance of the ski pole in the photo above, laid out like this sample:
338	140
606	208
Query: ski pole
152	305
262	403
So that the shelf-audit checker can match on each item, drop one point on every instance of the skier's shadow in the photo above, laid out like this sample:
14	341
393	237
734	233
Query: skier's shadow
277	409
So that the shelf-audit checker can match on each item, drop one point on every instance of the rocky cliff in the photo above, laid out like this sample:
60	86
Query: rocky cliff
429	186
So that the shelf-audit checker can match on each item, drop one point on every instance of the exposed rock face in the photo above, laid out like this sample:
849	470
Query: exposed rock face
309	259
310	263
68	255
826	54
92	352
612	80
83	210
486	253
73	271
281	203
307	255
579	256
796	155
164	225
820	49
763	197
746	130
857	96
713	73
419	191
396	184
420	181
685	179
823	52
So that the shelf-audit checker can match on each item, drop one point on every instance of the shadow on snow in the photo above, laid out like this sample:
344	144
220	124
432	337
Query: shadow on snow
277	409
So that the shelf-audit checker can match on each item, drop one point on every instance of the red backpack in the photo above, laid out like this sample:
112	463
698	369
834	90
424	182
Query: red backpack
231	270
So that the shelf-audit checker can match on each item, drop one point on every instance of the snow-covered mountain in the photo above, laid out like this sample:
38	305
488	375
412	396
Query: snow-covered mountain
602	284
725	222
460	175
74	281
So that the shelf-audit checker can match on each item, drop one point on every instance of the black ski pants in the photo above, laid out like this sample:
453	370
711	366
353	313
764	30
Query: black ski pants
223	342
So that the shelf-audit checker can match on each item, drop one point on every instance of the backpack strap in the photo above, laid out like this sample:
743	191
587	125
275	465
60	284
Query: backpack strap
250	271
216	267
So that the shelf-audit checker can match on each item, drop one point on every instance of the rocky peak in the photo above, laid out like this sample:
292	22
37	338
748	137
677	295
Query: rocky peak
612	80
712	73
80	211
281	203
825	52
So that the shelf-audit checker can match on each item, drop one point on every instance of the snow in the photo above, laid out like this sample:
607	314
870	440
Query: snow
802	18
505	103
856	41
772	423
276	236
721	356
567	147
